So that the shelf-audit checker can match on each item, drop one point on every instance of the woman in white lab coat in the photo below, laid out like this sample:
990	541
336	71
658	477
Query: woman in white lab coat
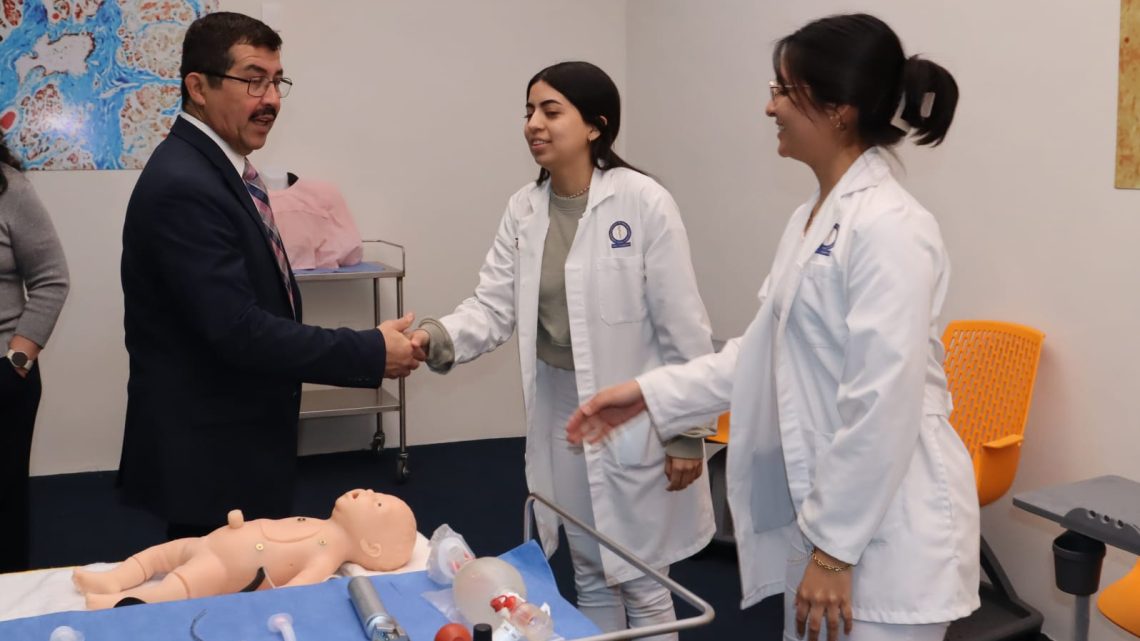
591	266
850	491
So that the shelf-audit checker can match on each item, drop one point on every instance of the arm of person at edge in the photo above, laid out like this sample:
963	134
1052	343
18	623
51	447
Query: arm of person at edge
44	270
199	256
27	346
891	282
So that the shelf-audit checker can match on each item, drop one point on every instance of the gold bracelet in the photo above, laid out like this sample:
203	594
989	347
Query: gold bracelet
828	566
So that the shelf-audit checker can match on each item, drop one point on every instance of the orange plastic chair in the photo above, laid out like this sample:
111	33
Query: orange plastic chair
721	435
991	367
1120	602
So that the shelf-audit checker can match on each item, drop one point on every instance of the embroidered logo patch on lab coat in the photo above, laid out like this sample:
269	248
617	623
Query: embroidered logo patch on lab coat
829	242
620	234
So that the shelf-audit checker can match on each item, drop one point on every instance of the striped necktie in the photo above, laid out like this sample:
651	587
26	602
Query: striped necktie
256	188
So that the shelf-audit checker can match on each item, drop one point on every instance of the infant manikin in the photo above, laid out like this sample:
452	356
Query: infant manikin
376	531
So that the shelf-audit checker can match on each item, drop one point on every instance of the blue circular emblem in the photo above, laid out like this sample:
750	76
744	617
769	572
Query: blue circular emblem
620	234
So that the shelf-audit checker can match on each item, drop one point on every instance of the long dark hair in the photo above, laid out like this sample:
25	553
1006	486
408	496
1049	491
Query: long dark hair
596	97
858	60
10	159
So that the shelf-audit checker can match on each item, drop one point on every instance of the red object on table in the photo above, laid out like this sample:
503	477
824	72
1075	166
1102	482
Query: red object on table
453	632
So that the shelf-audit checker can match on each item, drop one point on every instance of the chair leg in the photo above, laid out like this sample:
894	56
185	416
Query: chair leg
722	516
995	573
1003	615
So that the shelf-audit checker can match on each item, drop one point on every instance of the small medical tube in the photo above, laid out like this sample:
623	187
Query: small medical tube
282	622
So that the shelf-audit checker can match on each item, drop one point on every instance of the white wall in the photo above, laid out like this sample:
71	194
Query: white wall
1023	188
415	109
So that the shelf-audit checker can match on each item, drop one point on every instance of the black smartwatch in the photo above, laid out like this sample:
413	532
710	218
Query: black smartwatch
20	360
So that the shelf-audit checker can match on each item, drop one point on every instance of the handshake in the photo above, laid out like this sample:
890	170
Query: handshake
405	348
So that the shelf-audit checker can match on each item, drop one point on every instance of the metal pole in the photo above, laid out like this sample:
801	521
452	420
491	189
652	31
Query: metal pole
706	611
1081	619
403	399
403	412
379	395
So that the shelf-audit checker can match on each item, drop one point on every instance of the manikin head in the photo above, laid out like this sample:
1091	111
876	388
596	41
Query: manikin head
381	529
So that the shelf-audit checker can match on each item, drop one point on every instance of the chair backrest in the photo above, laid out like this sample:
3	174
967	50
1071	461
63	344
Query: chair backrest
990	367
721	435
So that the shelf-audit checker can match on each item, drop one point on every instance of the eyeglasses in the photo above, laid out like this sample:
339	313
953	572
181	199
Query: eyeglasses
778	89
258	85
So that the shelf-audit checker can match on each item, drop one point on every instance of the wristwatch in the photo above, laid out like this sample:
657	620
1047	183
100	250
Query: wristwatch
20	360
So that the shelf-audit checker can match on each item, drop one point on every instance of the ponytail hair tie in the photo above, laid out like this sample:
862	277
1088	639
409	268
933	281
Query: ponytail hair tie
924	110
897	120
927	106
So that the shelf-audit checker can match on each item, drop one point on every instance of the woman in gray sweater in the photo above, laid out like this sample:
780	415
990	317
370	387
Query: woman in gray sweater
33	286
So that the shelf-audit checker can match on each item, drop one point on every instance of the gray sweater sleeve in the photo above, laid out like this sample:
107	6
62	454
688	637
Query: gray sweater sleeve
441	351
38	258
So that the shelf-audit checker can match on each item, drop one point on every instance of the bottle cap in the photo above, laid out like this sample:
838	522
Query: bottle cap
482	632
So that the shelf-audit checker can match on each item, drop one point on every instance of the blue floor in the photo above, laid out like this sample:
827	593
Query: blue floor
477	487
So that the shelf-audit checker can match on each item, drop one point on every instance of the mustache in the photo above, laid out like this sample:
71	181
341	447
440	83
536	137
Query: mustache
267	110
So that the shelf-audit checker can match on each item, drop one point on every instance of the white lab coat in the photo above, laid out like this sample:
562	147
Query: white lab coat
839	409
633	306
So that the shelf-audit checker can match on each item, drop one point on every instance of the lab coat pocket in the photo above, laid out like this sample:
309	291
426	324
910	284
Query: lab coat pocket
921	512
637	444
621	289
771	502
817	313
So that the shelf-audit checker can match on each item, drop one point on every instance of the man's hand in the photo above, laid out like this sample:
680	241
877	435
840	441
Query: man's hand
604	413
681	472
421	340
399	359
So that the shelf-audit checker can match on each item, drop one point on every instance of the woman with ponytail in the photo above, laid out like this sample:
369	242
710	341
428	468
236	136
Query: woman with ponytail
851	494
591	265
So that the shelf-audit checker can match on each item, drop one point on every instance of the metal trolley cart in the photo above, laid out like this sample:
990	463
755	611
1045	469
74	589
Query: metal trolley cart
705	610
323	403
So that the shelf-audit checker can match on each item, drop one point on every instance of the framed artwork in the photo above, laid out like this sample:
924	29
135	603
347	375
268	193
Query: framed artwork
91	84
1128	101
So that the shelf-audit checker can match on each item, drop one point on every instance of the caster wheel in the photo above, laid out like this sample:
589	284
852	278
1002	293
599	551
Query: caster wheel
402	471
378	443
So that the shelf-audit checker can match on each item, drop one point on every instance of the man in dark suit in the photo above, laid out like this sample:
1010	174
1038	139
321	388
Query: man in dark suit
213	315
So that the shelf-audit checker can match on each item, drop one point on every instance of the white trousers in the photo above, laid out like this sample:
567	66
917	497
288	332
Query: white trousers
860	630
636	603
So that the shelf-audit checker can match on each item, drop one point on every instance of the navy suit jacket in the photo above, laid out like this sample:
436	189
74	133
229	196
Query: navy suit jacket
217	357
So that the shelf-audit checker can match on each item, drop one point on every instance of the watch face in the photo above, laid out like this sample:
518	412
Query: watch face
20	359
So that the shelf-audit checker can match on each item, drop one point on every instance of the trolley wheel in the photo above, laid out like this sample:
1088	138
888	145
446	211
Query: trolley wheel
378	442
402	471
